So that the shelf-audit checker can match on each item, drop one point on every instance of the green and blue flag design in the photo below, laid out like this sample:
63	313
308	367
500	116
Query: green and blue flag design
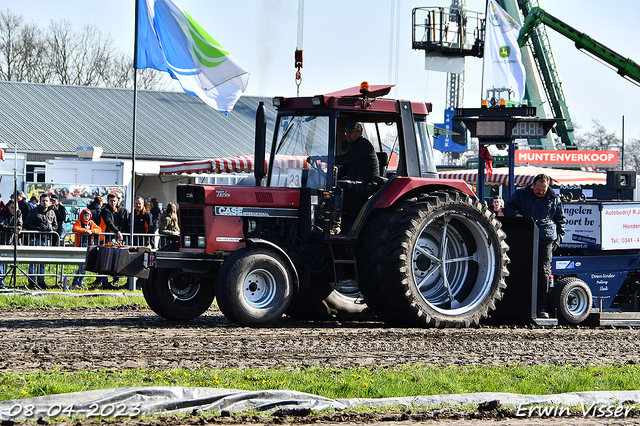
170	40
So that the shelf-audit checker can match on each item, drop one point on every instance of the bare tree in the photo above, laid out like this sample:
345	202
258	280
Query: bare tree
121	75
632	155
11	49
33	49
151	79
598	138
61	56
81	59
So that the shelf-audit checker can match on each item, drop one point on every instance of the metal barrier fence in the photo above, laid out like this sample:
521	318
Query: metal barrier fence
139	240
48	255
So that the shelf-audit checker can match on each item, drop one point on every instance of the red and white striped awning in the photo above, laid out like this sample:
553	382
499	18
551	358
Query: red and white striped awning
244	163
524	175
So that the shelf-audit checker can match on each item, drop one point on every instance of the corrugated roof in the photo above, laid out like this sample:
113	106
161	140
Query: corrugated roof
45	118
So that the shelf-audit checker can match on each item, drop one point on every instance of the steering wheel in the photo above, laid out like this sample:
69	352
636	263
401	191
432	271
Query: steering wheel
315	165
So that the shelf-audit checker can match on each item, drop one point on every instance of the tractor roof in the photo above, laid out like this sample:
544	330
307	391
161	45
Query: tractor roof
351	99
375	91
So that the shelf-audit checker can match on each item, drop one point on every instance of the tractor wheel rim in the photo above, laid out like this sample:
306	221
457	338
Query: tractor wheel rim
181	289
259	288
453	258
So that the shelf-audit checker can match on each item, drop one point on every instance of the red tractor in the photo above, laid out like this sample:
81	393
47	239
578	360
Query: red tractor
412	249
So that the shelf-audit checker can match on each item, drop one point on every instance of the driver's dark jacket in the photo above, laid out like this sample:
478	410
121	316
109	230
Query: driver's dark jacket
546	211
361	159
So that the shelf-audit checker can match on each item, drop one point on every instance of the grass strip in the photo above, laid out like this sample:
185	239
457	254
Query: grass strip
68	300
372	382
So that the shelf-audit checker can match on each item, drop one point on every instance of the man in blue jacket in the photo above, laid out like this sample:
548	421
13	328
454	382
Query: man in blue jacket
541	203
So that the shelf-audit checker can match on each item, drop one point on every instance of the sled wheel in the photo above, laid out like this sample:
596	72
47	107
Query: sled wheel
572	298
323	300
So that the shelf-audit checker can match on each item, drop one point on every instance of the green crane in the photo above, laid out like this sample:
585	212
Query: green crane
549	77
624	66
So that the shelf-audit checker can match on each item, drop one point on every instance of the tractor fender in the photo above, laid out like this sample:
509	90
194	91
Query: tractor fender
402	185
259	242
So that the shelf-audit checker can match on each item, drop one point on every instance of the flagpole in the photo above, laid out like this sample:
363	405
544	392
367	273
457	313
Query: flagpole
486	18
133	138
132	211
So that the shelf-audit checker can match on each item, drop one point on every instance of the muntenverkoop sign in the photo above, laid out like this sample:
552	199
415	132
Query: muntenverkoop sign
566	158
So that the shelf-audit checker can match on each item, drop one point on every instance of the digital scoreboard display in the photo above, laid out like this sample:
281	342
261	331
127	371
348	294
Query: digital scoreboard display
528	129
521	129
490	128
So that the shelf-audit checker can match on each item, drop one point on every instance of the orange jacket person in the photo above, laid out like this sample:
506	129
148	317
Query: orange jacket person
84	228
84	225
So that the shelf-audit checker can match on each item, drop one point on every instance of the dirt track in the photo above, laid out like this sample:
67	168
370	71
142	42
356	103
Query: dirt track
96	339
35	340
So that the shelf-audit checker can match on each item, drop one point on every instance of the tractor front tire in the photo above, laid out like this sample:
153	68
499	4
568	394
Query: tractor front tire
177	295
435	260
254	287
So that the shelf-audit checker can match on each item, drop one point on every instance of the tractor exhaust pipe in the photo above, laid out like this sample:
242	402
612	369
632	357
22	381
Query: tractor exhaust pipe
260	143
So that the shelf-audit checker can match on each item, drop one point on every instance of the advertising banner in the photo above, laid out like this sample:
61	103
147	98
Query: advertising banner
582	229
446	143
502	62
620	226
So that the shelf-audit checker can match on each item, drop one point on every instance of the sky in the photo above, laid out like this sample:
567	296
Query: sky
346	42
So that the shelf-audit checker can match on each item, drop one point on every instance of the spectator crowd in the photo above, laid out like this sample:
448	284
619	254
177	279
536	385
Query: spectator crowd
39	222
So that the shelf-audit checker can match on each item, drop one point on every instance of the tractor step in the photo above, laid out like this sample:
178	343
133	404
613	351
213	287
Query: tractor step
343	255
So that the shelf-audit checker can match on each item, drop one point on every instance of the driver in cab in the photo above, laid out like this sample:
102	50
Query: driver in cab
360	159
358	168
359	162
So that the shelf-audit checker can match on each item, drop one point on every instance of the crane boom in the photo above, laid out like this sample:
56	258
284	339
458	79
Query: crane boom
550	79
624	66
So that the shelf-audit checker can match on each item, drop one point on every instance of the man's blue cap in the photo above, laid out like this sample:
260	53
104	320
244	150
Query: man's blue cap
354	126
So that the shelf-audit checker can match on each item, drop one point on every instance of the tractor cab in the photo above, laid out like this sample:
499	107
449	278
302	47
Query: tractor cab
310	135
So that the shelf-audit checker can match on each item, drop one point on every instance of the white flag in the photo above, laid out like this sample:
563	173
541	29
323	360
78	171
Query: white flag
172	41
502	63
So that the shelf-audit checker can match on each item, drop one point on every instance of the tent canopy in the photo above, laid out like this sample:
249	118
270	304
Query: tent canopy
524	176
244	163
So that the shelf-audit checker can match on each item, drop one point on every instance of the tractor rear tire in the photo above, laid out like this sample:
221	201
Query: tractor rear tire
435	260
328	304
254	287
177	295
573	299
322	300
